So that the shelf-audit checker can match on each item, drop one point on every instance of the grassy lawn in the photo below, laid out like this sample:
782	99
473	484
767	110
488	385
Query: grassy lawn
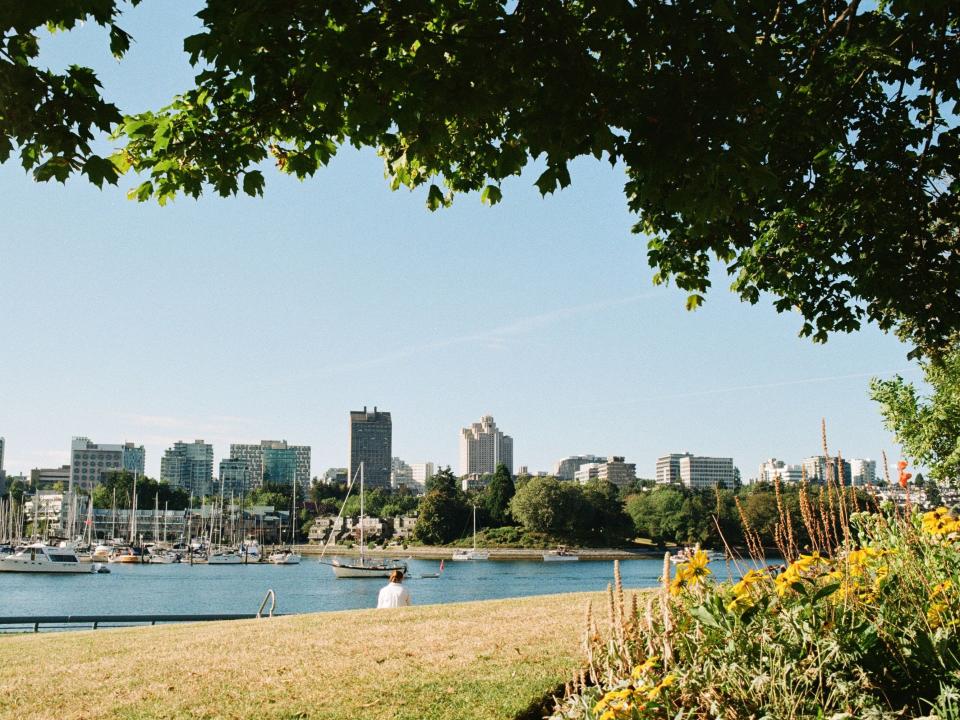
483	660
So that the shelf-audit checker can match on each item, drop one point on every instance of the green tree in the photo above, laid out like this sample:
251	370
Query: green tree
601	517
932	491
444	511
928	428
443	479
545	505
744	129
497	497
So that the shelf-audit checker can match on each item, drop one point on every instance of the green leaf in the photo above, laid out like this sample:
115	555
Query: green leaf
825	591
434	197
703	615
491	195
253	183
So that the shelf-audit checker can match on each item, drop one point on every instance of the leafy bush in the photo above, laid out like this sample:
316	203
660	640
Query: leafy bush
863	623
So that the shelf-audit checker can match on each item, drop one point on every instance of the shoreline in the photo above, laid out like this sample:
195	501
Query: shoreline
446	553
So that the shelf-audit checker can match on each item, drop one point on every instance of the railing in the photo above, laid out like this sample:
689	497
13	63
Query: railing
38	623
272	597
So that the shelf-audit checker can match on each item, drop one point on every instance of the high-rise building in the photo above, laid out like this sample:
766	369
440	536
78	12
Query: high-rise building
863	471
371	443
668	468
773	468
189	466
566	468
89	462
419	473
236	477
275	461
483	446
818	467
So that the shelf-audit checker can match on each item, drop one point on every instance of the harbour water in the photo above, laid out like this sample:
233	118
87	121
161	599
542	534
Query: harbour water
308	587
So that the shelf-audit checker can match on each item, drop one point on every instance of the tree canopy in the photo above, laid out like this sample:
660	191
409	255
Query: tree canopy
810	147
928	427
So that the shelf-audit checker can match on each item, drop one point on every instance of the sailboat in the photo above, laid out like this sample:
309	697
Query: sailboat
473	554
289	556
364	568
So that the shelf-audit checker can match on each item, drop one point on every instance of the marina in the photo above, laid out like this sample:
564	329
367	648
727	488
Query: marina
308	587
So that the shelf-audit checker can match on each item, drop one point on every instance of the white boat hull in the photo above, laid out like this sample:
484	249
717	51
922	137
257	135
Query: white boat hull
343	570
285	559
11	564
464	555
560	558
228	559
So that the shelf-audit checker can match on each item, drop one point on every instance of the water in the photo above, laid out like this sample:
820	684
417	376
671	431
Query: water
308	587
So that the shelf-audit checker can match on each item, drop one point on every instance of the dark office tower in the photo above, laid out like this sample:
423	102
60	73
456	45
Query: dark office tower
371	443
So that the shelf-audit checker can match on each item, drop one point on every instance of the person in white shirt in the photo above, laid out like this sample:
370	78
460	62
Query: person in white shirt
394	594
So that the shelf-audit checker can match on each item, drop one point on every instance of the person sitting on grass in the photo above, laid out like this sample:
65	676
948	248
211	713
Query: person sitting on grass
394	594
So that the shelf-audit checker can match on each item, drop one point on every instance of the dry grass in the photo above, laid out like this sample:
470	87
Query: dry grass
484	660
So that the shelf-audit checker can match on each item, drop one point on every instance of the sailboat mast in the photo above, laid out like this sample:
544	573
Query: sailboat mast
361	513
474	526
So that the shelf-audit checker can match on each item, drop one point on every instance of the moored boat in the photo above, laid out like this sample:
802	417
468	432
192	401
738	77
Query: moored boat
561	554
128	556
41	558
285	557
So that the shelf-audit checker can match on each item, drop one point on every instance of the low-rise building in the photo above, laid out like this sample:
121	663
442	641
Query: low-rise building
50	478
615	470
697	471
668	468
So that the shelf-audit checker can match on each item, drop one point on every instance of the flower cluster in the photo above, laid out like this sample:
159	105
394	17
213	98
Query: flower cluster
641	694
742	594
941	524
691	573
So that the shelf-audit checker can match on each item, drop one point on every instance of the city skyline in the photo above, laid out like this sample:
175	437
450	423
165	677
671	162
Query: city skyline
539	311
317	469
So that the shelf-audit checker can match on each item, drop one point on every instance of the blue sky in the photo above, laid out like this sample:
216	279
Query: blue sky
235	320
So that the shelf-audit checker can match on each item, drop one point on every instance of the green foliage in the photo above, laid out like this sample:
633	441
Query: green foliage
444	511
15	490
276	495
545	505
928	428
810	147
592	514
443	480
149	493
497	496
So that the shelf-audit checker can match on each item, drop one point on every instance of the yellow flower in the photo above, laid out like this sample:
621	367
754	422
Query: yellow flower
697	566
740	603
748	581
662	685
645	667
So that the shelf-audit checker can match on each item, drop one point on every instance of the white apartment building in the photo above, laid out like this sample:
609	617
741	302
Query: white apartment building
863	471
773	468
706	472
400	474
668	468
567	467
483	446
615	470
